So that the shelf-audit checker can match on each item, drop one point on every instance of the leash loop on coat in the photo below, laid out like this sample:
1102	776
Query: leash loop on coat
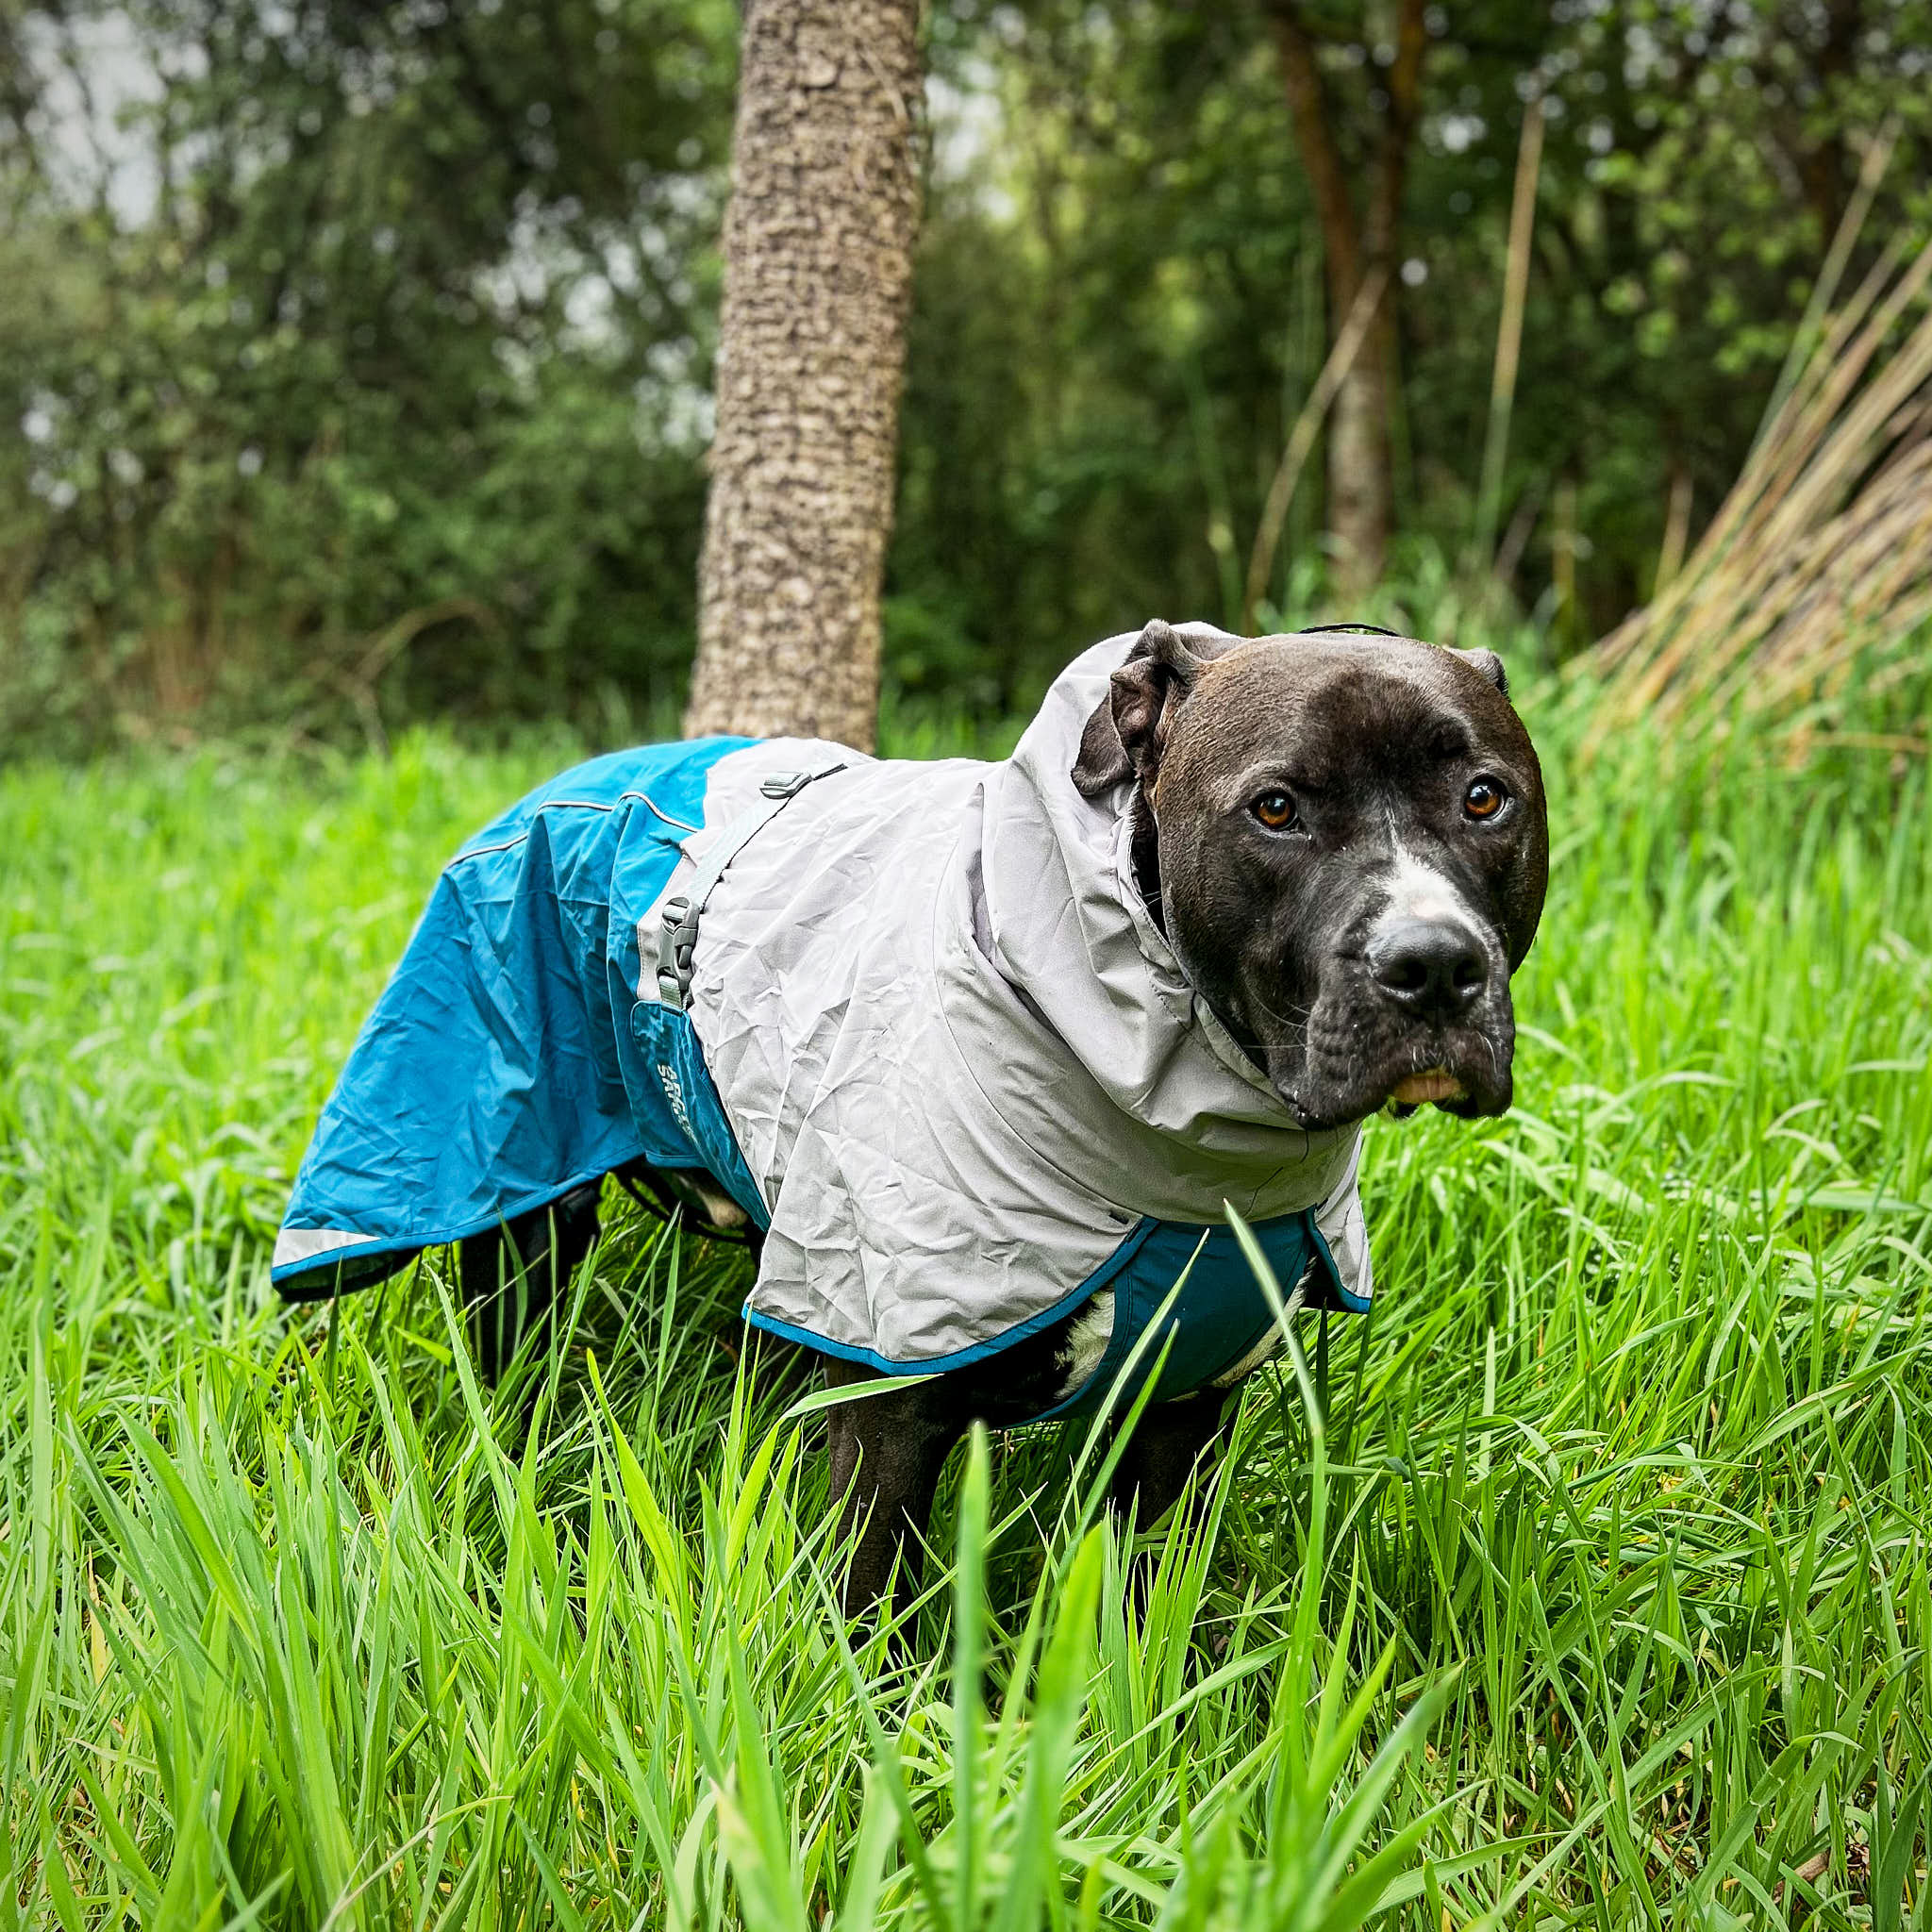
677	932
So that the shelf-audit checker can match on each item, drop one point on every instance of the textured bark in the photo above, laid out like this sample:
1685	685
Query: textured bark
1360	473
1360	470
818	271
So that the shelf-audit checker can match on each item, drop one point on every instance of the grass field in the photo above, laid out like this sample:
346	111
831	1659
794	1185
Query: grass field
1602	1598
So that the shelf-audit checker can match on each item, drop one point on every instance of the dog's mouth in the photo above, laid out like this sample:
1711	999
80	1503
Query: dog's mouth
1463	1090
1432	1083
1337	1076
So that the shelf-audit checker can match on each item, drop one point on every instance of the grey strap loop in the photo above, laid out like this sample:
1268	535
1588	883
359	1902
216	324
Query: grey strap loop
678	932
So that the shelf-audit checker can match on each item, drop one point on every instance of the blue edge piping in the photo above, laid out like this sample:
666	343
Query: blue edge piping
965	1357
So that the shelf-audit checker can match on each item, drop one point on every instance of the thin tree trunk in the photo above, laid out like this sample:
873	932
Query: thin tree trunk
818	274
1360	475
1360	470
1359	482
1821	163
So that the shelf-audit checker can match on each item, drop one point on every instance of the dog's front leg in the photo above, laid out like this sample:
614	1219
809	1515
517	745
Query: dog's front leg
510	1285
1161	1454
886	1452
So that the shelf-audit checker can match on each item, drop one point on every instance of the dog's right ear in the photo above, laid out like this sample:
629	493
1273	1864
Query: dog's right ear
1128	732
1489	665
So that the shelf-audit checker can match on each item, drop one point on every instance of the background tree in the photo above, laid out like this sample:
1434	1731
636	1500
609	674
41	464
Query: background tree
819	237
1357	243
319	320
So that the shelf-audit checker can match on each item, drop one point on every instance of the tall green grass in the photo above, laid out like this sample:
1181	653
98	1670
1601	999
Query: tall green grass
1589	1587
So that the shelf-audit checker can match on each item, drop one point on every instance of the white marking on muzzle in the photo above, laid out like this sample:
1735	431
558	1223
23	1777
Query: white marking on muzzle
1417	891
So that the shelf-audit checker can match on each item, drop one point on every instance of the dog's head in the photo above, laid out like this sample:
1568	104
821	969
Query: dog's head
1344	839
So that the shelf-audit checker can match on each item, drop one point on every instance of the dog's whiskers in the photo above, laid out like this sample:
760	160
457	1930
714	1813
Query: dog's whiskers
1294	1016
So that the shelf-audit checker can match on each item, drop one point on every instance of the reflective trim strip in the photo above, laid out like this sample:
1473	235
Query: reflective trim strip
573	804
403	1246
296	1244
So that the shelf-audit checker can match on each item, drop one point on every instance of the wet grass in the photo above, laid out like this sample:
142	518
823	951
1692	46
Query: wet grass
1602	1598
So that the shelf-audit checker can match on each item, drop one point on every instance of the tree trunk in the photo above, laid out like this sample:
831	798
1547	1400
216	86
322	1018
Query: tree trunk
1360	476
1360	472
818	273
1821	162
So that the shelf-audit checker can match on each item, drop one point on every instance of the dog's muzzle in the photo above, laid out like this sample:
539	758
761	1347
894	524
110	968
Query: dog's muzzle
1434	970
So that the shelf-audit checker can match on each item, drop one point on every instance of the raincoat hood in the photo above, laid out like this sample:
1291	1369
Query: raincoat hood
1071	928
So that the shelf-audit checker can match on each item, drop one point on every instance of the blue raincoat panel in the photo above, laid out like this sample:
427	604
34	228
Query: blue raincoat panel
501	1068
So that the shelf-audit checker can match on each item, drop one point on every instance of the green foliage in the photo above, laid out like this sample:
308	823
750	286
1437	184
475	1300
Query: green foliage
361	367
1597	1593
1121	306
367	316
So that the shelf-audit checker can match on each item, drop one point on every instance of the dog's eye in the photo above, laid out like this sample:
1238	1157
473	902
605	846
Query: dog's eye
1275	809
1484	799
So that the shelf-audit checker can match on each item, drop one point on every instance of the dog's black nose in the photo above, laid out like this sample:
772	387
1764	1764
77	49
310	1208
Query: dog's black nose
1433	967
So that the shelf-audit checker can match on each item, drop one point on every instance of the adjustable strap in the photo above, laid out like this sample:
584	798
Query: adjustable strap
677	933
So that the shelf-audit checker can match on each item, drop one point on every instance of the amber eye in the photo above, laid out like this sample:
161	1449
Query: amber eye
1275	809
1484	799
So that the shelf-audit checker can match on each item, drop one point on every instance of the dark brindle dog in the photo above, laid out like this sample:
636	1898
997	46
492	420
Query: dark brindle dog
1332	855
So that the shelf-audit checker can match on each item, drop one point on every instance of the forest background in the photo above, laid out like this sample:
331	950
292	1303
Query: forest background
361	355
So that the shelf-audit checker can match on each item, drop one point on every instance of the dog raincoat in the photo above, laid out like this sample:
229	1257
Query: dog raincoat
915	1018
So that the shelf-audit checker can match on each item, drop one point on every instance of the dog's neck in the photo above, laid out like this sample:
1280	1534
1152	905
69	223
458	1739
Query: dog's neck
1143	853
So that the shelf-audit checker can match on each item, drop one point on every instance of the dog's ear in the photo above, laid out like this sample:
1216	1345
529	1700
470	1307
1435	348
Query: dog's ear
1128	729
1490	665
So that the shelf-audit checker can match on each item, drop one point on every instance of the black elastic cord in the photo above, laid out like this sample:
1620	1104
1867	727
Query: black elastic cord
651	1203
655	1204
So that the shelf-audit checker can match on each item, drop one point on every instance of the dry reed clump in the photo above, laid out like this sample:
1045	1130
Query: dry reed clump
1819	559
